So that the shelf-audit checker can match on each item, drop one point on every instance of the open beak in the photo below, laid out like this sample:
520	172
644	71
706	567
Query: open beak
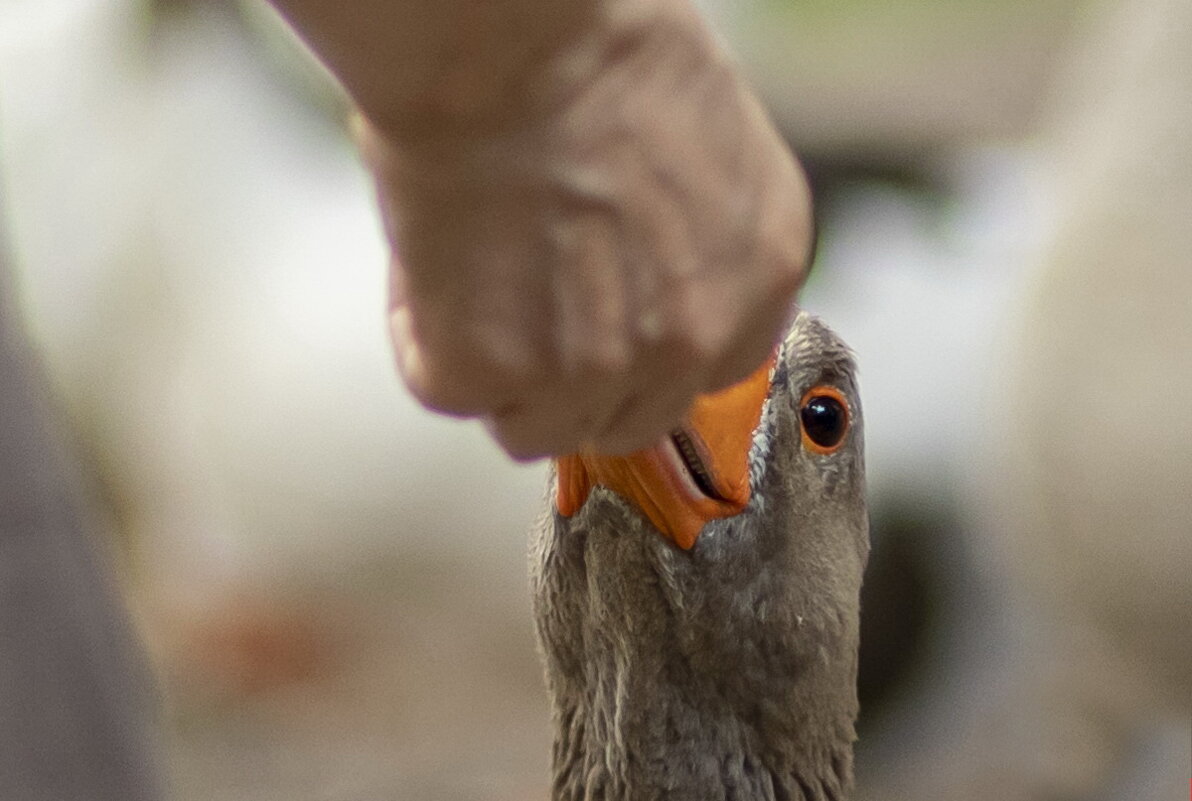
699	472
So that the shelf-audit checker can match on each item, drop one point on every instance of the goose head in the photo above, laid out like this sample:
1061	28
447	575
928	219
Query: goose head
697	603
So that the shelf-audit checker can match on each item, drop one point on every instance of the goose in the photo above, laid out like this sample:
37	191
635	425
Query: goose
697	603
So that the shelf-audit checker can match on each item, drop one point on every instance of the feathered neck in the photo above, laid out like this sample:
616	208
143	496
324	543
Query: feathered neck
724	672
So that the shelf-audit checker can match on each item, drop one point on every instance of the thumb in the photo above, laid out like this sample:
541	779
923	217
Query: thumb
439	384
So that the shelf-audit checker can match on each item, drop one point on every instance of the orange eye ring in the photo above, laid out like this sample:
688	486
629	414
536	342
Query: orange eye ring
824	425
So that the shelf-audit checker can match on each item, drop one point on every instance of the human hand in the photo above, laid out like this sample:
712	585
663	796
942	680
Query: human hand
576	278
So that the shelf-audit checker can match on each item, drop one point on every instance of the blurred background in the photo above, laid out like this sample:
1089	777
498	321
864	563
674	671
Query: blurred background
331	583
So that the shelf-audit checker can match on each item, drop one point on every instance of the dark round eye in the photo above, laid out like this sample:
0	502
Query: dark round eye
825	417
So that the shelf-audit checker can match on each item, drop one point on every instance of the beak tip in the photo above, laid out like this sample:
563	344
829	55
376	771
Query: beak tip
685	538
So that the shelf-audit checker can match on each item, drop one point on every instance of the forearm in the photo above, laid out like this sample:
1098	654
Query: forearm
432	65
595	218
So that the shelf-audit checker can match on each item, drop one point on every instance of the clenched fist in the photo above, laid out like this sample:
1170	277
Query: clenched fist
575	275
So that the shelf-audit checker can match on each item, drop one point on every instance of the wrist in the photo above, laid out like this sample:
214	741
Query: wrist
504	88
641	117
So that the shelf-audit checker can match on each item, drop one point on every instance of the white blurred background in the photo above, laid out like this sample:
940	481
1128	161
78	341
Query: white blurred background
331	582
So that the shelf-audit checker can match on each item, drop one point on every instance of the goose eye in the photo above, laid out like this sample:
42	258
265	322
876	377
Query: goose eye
824	414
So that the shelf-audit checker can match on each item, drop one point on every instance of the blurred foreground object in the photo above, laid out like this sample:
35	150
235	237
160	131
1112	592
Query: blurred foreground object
75	712
198	259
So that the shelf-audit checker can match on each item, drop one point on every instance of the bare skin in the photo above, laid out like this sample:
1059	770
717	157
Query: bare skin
592	220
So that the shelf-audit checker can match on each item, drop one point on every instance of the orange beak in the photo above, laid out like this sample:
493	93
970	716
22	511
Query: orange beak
698	473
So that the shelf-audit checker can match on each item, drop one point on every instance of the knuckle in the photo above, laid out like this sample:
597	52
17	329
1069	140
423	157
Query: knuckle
438	397
518	442
469	372
502	358
784	281
603	358
701	341
444	385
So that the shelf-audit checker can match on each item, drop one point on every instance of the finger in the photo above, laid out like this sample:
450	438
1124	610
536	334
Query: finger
646	415
445	385
360	132
753	343
379	163
528	432
617	437
411	365
525	436
557	422
450	384
372	145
